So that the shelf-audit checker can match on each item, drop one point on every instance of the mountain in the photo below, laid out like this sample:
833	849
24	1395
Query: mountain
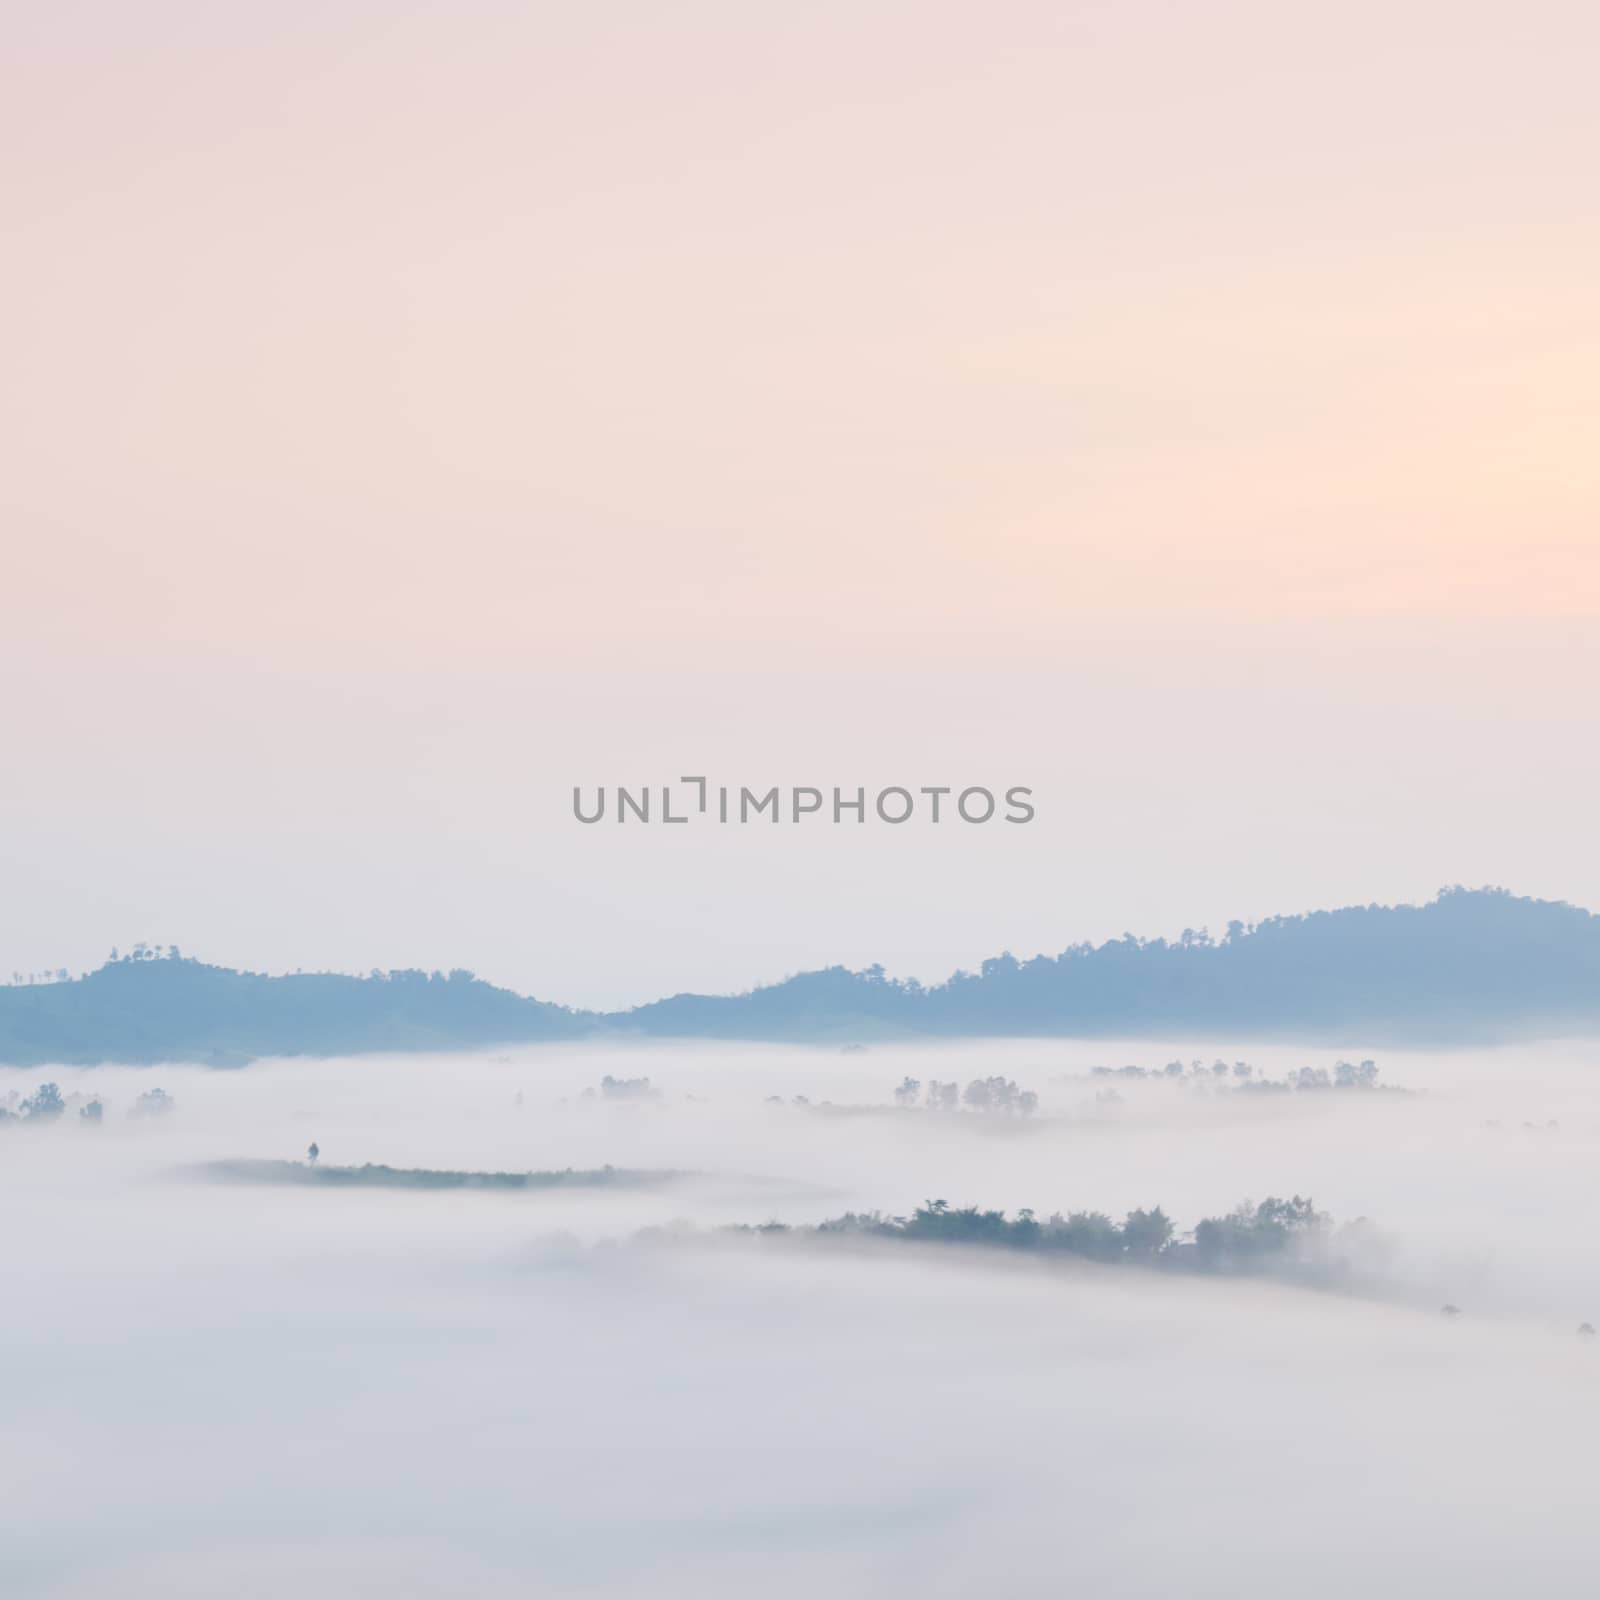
183	1010
1469	966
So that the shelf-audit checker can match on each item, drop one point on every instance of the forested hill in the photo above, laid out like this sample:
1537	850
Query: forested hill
1469	965
177	1009
1472	965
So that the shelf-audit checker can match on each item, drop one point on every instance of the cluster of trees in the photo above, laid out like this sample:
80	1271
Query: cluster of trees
1344	1075
1141	1236
48	1104
994	1096
45	1104
139	952
1273	1236
148	952
623	1089
1241	1070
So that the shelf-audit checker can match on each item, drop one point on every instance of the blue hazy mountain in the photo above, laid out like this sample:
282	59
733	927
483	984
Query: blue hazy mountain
1471	965
172	1008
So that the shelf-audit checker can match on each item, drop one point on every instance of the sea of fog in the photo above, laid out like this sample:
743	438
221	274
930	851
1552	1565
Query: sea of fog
258	1391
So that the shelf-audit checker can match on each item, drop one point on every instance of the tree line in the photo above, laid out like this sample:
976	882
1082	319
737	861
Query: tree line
1281	1236
48	1104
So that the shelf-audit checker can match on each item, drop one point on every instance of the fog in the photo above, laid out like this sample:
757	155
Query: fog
261	1390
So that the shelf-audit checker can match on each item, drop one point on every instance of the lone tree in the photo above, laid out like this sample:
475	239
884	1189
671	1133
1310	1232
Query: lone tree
312	1154
45	1102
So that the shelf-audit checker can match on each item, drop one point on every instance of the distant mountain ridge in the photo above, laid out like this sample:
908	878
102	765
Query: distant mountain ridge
1470	965
179	1009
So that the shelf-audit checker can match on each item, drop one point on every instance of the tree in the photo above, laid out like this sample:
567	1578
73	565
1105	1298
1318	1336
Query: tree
627	1089
999	1095
1348	1075
1145	1234
312	1152
45	1101
1250	1237
1086	1233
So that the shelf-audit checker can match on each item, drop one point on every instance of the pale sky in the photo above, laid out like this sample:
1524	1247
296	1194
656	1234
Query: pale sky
1188	410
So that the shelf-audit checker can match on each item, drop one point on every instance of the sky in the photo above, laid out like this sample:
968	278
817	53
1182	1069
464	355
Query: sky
414	412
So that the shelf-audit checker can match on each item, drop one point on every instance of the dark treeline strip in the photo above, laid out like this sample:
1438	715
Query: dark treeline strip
382	1177
1287	1237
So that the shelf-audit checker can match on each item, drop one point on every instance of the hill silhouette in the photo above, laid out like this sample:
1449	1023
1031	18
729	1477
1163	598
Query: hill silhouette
179	1009
1471	965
